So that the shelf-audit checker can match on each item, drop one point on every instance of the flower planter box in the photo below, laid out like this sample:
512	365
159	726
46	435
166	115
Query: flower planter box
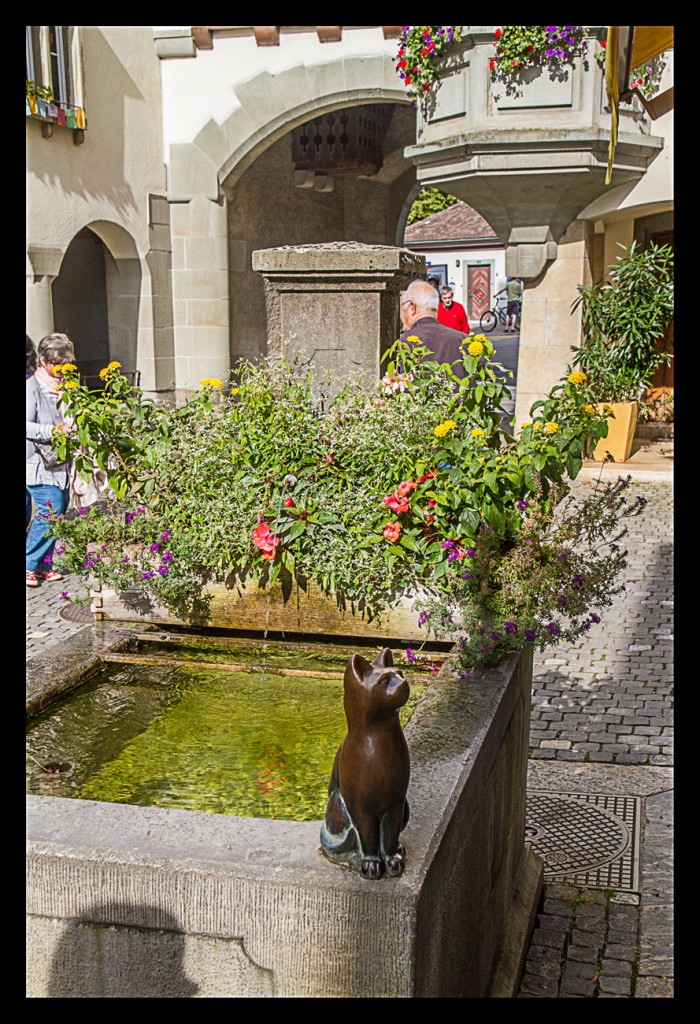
286	608
621	427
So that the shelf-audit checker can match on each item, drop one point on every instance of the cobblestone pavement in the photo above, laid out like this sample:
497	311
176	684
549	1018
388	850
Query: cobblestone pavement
604	704
608	701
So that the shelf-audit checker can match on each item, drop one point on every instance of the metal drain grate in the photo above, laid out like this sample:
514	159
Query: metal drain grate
586	839
78	613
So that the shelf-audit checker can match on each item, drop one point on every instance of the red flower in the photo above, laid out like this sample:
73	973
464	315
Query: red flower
530	49
430	519
266	541
432	502
424	52
401	65
515	63
405	487
498	33
408	79
396	502
329	459
401	52
426	87
392	532
289	502
430	475
492	64
426	33
604	44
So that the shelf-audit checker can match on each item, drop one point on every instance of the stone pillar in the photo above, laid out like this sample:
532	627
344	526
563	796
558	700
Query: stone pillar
334	307
548	329
200	292
43	263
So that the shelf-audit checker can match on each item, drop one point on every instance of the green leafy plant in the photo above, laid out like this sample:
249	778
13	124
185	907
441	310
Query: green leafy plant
623	319
45	92
519	47
429	201
393	487
421	48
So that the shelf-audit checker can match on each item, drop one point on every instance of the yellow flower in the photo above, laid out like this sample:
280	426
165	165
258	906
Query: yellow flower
524	424
577	377
443	428
551	427
65	368
235	391
68	384
114	365
414	339
212	382
480	337
475	349
478	432
537	426
589	409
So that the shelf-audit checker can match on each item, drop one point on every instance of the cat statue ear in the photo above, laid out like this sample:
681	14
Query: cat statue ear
367	806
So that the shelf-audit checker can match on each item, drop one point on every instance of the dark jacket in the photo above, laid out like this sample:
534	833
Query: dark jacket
441	340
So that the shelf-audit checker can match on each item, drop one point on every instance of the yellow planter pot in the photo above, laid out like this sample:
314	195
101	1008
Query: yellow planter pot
621	427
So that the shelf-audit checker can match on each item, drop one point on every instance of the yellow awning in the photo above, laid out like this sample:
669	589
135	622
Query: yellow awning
629	47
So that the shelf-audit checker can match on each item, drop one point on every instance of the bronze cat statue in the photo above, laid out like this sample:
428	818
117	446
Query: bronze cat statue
367	806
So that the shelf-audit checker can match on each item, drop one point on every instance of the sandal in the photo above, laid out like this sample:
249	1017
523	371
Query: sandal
50	575
32	580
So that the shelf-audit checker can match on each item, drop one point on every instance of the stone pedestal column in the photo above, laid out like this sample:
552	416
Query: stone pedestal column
334	307
43	263
549	330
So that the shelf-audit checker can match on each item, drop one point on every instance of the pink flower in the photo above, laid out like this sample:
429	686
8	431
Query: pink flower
265	541
405	487
498	33
396	502
392	531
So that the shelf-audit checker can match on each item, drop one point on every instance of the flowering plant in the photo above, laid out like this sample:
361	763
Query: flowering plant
417	484
519	47
420	48
646	78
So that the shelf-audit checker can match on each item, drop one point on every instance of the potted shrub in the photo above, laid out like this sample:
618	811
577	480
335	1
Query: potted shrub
622	320
410	484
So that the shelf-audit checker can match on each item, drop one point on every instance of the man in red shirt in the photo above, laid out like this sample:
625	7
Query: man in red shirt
450	313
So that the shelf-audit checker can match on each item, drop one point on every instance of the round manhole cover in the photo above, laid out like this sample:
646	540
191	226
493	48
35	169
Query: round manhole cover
572	836
78	613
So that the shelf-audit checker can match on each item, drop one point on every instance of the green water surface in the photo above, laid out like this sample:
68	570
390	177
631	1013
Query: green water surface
254	744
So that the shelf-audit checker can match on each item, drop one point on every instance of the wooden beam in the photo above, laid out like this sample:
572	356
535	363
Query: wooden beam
203	39
329	33
391	31
267	35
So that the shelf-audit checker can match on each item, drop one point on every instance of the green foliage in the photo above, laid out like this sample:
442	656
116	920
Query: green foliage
421	50
429	201
622	320
519	47
390	488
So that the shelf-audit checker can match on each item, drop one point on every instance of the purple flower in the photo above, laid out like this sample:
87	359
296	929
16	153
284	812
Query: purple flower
48	559
465	675
614	547
147	576
467	575
167	556
59	551
103	548
529	635
163	570
64	596
471	552
577	582
154	547
83	511
563	554
126	558
593	617
410	656
165	536
561	600
642	501
522	504
422	618
447	544
552	629
623	482
511	628
496	636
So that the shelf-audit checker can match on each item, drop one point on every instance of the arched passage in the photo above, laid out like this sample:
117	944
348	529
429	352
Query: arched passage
96	298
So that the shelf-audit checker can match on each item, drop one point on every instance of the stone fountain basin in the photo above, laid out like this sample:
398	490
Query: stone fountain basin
138	901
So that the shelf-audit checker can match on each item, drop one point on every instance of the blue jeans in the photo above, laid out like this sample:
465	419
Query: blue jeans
40	544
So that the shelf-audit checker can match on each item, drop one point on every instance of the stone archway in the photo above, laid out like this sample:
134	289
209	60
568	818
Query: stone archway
247	162
96	298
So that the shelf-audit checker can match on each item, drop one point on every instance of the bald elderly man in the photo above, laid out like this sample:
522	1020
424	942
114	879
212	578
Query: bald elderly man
419	307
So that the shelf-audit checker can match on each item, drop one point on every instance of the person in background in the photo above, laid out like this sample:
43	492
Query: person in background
435	283
419	309
49	488
450	313
31	367
514	291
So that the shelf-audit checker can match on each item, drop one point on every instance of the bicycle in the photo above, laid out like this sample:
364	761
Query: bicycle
496	314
